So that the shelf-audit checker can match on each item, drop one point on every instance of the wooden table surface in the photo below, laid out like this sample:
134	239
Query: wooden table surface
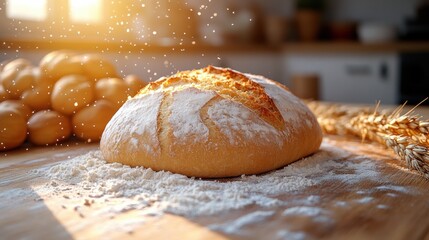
393	206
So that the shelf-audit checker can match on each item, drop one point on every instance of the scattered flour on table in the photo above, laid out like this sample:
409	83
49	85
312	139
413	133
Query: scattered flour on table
365	200
317	214
234	227
154	193
291	235
303	211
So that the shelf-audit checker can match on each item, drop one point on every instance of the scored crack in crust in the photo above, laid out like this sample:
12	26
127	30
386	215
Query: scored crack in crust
228	84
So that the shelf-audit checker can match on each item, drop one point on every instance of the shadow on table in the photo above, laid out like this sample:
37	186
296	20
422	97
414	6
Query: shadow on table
25	215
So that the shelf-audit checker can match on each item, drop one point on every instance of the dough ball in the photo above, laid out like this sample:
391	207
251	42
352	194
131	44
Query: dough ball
3	94
50	56
72	93
89	123
48	127
38	98
58	64
19	106
134	84
41	79
17	65
19	82
9	74
7	80
113	90
13	128
97	67
3	64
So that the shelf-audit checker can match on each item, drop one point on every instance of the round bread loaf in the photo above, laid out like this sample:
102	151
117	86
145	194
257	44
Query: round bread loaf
211	122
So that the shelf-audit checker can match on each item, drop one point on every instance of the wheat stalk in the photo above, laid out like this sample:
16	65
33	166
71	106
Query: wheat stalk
333	118
401	134
409	126
407	135
415	156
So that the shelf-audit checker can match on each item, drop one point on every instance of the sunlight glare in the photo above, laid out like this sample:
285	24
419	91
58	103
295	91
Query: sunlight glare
85	11
33	10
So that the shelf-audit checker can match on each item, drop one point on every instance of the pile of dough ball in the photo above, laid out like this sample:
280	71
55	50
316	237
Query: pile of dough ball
68	94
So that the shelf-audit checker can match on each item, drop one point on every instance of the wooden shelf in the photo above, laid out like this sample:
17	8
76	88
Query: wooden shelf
131	47
288	47
355	47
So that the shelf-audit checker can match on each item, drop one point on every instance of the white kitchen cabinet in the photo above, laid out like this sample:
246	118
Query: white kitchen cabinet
353	78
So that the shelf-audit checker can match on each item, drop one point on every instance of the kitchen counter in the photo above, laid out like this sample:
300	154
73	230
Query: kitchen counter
380	199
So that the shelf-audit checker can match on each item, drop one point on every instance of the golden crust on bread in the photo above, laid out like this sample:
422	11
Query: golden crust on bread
228	84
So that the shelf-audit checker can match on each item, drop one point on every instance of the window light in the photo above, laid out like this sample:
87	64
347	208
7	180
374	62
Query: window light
85	11
33	10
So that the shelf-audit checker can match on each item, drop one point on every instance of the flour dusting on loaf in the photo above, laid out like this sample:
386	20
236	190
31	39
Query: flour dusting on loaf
185	116
211	122
239	123
136	121
283	99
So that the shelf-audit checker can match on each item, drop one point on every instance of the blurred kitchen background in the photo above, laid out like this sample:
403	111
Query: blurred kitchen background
332	50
